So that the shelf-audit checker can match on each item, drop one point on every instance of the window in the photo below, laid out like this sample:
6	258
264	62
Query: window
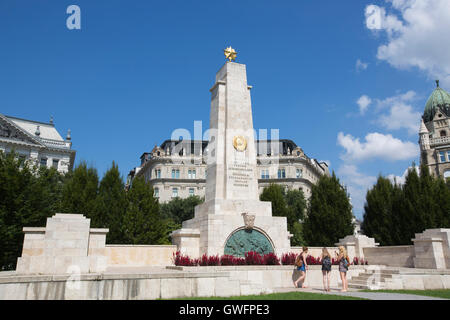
448	155
175	174
174	192
442	156
158	173
191	191
281	173
55	163
156	193
43	162
264	174
191	174
299	173
443	133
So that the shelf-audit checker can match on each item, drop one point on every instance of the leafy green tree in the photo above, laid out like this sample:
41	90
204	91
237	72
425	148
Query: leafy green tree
378	214
296	206
443	204
79	193
275	194
111	204
290	204
142	223
28	195
329	213
179	210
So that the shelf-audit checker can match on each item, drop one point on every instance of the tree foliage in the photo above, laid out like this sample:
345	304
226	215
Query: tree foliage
393	214
329	213
28	195
142	223
290	204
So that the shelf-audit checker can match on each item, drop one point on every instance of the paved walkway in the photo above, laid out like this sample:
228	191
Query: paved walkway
364	295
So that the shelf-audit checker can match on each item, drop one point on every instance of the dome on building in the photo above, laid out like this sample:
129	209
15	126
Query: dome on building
439	99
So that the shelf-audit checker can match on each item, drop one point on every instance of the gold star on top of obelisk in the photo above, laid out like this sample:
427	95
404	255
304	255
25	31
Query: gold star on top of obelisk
230	54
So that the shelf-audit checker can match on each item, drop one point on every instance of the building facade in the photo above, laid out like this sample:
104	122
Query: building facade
178	168
38	143
434	134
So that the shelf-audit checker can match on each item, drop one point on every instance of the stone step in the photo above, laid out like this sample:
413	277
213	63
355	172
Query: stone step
372	276
383	271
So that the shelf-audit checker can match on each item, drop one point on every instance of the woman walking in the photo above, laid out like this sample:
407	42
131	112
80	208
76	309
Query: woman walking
344	262
302	266
326	269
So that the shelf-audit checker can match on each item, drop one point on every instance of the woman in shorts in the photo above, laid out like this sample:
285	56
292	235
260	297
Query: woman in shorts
302	266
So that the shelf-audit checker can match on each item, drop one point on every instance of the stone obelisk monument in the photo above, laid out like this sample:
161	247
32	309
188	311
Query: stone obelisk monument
232	220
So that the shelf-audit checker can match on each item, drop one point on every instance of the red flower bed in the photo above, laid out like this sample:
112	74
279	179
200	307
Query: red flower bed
359	261
270	259
253	258
228	260
288	259
184	261
209	260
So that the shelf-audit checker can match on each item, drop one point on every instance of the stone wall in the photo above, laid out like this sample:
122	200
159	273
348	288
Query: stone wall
139	255
175	283
392	256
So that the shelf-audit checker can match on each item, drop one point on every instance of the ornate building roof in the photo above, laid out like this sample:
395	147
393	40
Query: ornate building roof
439	99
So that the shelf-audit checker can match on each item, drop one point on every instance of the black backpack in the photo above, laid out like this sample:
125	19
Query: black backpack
326	262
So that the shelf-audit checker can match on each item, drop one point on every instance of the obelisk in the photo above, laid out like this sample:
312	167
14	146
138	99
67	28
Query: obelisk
232	213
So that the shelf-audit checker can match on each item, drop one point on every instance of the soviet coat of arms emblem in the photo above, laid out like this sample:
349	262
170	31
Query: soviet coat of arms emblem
240	143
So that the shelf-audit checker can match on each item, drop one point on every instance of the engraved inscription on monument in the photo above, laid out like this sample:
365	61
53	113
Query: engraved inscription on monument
240	174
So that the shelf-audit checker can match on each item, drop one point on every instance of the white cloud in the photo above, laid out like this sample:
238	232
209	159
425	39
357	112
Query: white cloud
401	113
407	97
361	66
377	146
401	116
363	103
357	185
401	179
417	35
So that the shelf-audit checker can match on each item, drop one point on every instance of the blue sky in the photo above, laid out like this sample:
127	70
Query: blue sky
137	70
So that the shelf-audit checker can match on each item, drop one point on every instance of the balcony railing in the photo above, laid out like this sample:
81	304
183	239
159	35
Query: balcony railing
440	140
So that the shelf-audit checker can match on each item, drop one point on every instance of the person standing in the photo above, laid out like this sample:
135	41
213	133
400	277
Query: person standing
326	269
344	263
302	266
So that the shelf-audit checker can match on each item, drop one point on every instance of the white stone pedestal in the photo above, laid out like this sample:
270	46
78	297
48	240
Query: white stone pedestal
65	245
431	249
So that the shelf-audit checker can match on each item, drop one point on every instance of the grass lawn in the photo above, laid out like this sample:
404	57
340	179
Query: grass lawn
280	296
444	293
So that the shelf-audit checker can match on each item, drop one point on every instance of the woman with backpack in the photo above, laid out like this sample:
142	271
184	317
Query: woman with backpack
344	263
302	266
326	269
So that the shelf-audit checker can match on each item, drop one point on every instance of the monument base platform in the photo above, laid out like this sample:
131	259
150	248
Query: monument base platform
216	221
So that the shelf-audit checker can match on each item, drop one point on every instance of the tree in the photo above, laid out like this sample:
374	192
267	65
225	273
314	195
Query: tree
28	196
329	213
111	204
142	223
79	193
179	210
275	194
378	214
296	206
